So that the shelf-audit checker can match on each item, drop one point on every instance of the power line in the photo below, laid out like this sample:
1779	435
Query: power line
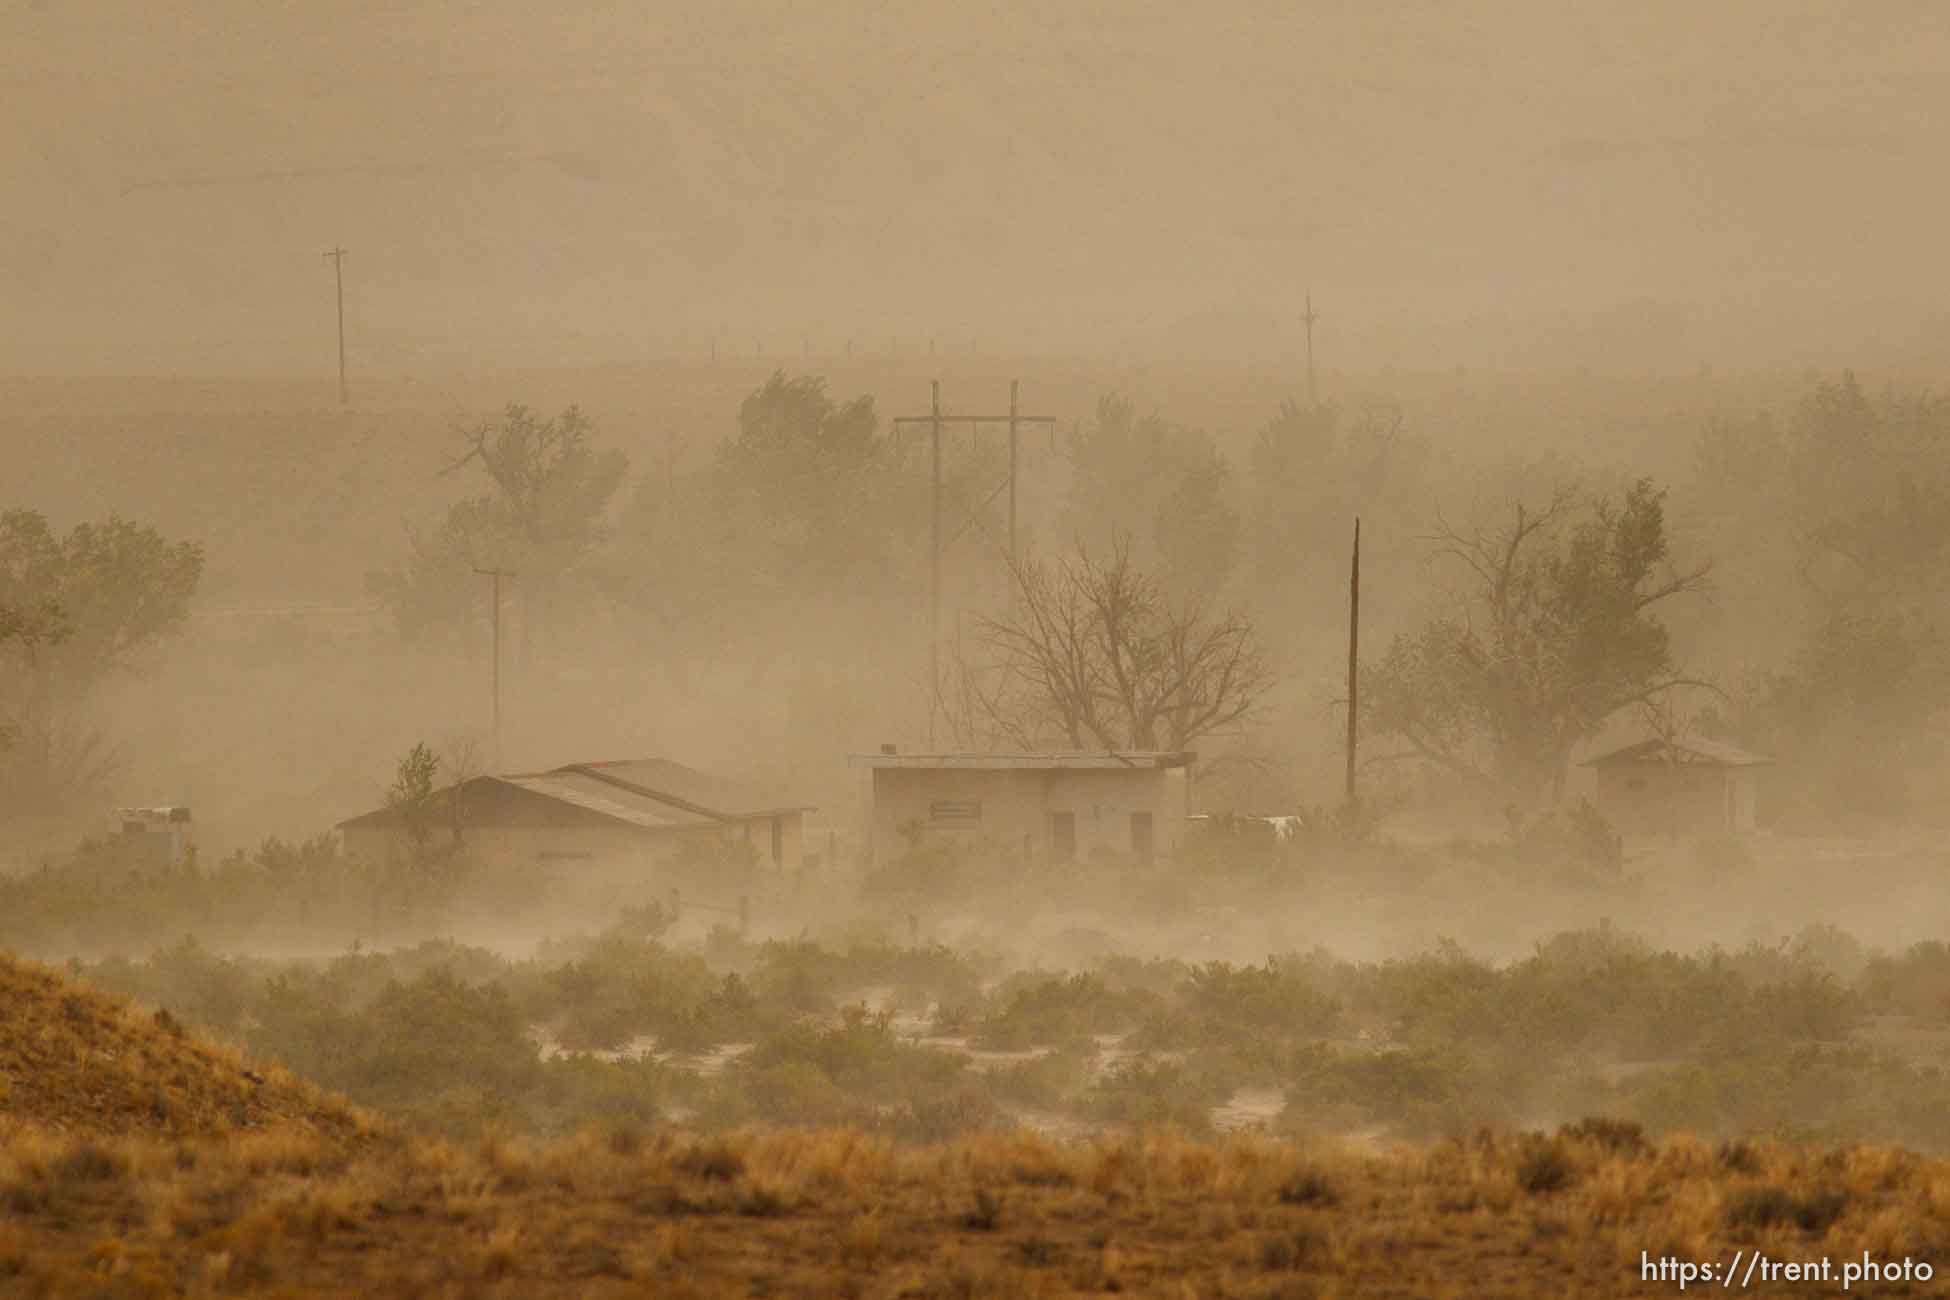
934	420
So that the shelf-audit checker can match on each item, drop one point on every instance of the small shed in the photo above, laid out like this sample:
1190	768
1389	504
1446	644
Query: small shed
631	810
1049	807
1696	787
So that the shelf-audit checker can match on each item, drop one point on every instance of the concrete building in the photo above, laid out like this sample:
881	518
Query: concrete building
631	811
1687	787
1046	807
158	837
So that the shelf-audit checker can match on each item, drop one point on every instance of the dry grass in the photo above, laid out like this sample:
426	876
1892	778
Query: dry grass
75	1060
833	1213
304	1195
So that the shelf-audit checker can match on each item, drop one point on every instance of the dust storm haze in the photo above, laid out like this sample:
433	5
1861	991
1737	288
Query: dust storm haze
1750	184
481	463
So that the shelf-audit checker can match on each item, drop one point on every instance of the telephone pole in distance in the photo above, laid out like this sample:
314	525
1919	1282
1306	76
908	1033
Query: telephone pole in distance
1313	396
497	575
338	274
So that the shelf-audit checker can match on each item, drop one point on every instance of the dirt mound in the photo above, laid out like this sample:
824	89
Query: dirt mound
76	1060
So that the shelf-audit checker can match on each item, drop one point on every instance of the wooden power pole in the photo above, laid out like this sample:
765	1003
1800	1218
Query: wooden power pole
1313	394
1015	422
497	575
1353	659
338	274
934	554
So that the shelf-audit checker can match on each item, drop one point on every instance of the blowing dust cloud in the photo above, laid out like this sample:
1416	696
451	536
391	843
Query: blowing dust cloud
1263	650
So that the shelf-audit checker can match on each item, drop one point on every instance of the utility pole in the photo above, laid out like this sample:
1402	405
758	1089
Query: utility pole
1015	420
1313	396
497	575
934	563
1353	658
338	273
935	420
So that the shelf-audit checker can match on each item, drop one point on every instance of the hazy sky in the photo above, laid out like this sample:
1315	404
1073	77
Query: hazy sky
1742	182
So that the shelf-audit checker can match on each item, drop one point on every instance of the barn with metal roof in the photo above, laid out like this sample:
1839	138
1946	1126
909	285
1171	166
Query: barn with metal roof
626	809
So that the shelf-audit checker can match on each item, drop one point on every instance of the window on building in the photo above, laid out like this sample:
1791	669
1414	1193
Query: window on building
952	811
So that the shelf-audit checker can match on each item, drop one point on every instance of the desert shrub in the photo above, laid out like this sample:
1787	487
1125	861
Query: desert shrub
1543	1166
1219	1003
196	985
574	1090
938	1114
1810	1094
1146	1093
1043	1010
1154	975
620	987
1047	1081
415	1039
1917	983
1765	1206
1617	1136
1417	1091
1309	1187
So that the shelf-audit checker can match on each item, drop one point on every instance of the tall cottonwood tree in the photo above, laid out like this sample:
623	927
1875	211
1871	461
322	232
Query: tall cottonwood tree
76	609
543	514
1558	630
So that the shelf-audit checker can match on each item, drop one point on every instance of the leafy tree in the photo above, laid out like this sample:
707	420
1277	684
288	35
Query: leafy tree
1145	476
1835	522
1558	631
1197	530
1095	653
790	430
76	609
541	518
805	505
92	602
808	463
413	796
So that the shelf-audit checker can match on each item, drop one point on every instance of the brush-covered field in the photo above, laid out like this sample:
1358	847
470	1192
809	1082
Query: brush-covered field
646	1107
836	1213
168	1166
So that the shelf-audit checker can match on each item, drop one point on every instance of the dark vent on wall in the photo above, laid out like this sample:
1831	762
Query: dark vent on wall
955	810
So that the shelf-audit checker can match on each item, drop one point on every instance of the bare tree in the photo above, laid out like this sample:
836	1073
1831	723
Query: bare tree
1094	653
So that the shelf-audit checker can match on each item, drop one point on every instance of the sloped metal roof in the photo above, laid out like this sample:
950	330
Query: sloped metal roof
652	793
689	789
593	795
1107	760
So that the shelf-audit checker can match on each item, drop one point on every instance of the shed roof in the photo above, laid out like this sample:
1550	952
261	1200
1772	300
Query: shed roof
1100	760
688	788
1711	753
650	793
592	795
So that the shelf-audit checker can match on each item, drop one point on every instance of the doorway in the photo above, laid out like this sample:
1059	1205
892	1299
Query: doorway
1063	836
